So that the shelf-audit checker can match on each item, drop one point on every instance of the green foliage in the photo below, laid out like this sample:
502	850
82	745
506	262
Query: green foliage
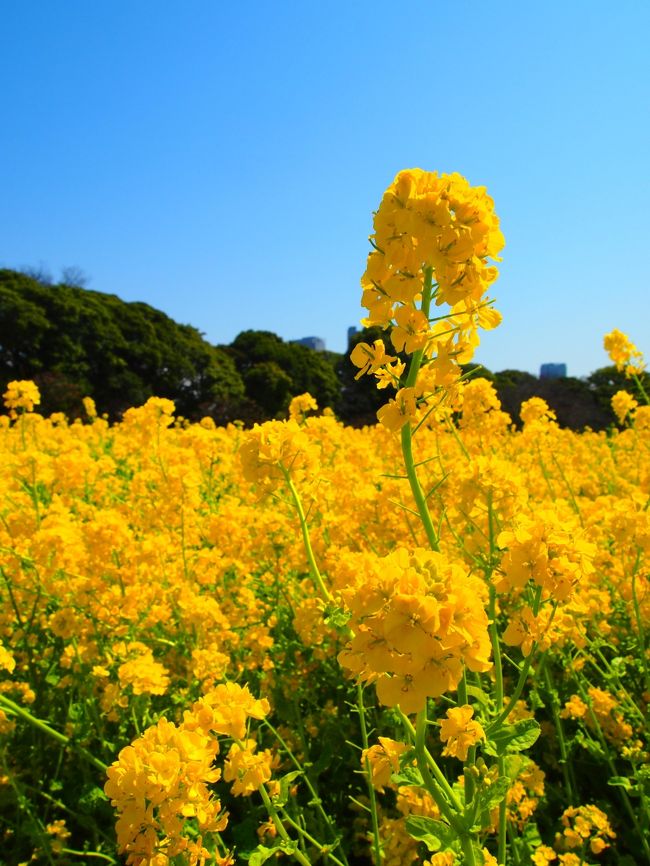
514	738
274	371
574	401
606	381
436	835
75	342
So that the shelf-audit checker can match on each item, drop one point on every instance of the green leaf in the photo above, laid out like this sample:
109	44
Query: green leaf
531	835
436	835
408	776
479	859
479	695
594	748
337	617
513	765
261	854
513	738
285	785
620	782
491	795
90	797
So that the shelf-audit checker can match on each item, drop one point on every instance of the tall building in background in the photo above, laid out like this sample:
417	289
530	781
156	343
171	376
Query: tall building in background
552	371
315	343
352	330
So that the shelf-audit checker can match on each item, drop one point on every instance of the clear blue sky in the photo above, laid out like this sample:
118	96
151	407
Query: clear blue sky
221	161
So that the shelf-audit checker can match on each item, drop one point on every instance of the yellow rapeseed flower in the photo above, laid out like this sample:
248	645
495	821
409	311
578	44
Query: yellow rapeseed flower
459	731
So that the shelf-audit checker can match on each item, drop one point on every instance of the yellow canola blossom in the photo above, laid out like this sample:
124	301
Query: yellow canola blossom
623	405
274	448
427	220
383	759
416	619
158	582
159	782
623	353
459	731
246	769
21	394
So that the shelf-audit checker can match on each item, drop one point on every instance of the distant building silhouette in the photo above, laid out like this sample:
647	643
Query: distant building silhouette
315	343
552	371
352	330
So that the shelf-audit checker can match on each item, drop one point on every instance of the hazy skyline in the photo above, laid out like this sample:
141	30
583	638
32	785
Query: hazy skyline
222	162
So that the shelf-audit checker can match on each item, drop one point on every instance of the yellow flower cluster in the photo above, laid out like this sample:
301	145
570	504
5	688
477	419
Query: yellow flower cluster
430	221
459	731
623	405
434	236
300	405
156	785
245	769
162	780
21	394
603	711
536	411
623	352
586	823
544	550
416	620
383	759
142	672
274	448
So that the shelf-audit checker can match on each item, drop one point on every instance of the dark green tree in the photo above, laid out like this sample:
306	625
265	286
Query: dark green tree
573	400
75	342
606	381
360	398
274	371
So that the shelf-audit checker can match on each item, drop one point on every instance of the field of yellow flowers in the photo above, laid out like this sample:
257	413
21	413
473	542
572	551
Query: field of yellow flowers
423	642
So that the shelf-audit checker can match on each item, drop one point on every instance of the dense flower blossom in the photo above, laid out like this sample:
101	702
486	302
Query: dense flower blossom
247	769
300	405
623	352
433	242
383	759
149	582
459	731
586	824
416	619
623	405
157	784
273	448
21	394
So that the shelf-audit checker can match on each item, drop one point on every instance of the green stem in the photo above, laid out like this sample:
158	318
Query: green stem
322	849
432	765
462	690
502	838
89	854
425	761
371	790
407	433
639	622
56	735
608	672
642	390
315	796
279	826
313	567
574	501
560	733
523	674
612	769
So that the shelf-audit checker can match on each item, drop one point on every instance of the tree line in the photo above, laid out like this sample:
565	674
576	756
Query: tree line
74	342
